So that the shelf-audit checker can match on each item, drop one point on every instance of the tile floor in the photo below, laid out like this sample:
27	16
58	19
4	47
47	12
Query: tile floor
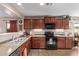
43	52
59	52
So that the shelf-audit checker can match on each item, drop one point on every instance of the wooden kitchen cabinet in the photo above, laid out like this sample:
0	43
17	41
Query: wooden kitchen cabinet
27	23
69	42
25	48
28	46
48	19
52	20
61	42
59	24
65	24
58	20
38	42
37	23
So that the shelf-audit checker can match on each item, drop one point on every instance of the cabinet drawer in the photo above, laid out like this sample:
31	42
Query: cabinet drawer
69	42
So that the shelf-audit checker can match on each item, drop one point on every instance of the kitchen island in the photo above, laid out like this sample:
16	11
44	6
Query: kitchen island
6	48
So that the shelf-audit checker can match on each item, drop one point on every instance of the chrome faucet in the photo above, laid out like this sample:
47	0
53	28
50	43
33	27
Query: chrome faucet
13	38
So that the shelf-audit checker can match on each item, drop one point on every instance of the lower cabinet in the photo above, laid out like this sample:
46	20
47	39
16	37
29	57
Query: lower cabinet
69	42
65	42
25	48
60	42
38	42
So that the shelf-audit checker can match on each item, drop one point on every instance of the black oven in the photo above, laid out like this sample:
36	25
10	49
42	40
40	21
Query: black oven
51	41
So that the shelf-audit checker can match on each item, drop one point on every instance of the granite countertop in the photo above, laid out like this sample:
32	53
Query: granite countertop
55	35
7	48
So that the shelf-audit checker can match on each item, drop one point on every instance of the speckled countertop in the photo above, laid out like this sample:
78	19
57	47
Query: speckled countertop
55	35
7	48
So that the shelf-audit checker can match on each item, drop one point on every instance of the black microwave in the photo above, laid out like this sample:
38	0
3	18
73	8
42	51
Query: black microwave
50	25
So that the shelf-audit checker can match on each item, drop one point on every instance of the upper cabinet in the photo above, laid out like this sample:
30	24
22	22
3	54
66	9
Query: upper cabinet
65	24
37	23
48	19
27	23
60	22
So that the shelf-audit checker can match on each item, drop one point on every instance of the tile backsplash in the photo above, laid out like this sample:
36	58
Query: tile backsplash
66	32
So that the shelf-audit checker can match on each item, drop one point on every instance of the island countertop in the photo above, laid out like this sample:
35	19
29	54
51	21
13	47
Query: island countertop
7	48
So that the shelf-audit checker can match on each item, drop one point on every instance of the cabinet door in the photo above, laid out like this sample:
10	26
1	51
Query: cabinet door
69	43
23	50
27	24
38	42
41	22
28	46
52	20
58	23
65	24
34	42
38	24
47	19
41	42
61	42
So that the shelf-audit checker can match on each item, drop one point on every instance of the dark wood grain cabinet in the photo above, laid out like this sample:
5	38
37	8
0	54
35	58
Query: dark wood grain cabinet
60	42
37	23
59	24
25	48
38	42
28	46
69	42
65	42
27	23
65	24
49	19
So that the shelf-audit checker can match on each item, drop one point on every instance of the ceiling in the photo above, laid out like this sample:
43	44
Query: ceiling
2	13
35	9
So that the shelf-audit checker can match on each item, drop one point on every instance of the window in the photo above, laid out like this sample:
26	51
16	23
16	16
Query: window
8	26
76	25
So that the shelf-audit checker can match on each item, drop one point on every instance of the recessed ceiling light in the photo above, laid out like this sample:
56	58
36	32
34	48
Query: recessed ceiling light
41	3
19	3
